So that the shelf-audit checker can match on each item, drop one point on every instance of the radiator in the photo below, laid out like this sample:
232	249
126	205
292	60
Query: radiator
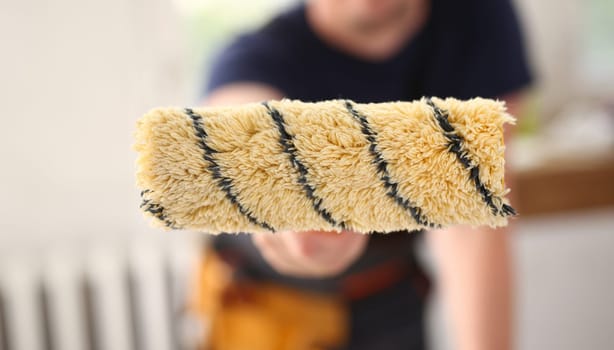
122	295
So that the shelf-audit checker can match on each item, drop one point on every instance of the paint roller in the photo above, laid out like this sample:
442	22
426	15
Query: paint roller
334	165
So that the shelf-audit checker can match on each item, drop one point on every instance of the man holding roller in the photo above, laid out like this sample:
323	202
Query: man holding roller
376	51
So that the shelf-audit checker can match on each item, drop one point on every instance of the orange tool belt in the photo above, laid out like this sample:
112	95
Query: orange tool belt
270	316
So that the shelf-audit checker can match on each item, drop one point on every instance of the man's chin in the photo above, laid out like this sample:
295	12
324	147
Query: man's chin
374	25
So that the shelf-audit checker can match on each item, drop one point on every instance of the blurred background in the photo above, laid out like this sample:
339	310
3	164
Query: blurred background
81	269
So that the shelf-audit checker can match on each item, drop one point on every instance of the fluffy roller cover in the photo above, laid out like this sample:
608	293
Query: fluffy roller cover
332	165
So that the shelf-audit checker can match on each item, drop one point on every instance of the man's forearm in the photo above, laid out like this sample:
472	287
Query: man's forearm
477	285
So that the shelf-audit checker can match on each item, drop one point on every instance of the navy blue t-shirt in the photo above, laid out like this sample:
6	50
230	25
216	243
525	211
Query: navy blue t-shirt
465	49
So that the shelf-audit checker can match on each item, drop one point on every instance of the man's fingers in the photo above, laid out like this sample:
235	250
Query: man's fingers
274	251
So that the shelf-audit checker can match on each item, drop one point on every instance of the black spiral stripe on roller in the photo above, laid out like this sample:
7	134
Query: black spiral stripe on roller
223	182
381	164
455	145
287	144
156	210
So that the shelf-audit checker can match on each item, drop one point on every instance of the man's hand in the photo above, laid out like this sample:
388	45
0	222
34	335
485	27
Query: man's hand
313	254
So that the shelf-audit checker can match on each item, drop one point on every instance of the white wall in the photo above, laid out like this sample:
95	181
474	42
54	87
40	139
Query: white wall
565	265
75	76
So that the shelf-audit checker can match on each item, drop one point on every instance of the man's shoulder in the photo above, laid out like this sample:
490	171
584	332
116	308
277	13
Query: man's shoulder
274	37
261	55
